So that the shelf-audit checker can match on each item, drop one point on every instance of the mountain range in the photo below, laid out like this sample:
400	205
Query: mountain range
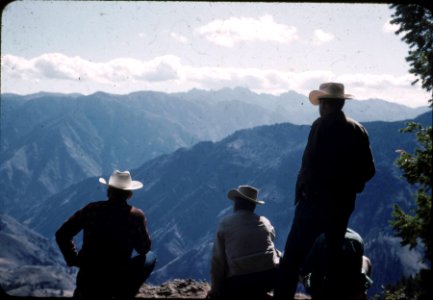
50	141
184	196
189	149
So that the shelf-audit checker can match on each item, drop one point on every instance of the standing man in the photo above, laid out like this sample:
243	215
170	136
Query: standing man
112	229
336	164
244	258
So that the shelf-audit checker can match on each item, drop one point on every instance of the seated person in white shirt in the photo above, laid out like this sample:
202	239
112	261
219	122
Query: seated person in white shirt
244	259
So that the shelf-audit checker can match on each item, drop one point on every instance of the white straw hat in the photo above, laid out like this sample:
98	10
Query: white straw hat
122	180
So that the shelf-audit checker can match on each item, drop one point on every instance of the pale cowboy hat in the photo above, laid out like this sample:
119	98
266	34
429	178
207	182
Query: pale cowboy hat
122	180
329	90
245	192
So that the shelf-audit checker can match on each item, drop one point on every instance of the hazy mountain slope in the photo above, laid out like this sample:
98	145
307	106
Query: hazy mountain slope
185	196
29	264
297	109
50	141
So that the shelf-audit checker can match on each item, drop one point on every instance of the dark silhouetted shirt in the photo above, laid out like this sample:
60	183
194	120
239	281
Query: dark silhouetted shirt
111	230
337	160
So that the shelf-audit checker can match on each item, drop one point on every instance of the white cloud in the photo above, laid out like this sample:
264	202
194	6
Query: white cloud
320	37
56	66
17	67
180	38
158	69
390	28
385	86
54	72
230	31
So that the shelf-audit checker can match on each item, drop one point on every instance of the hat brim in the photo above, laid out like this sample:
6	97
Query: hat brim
234	194
317	94
135	185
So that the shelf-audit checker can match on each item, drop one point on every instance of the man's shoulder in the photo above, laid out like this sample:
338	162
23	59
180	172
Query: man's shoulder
354	123
243	216
353	236
136	212
317	122
95	205
265	220
229	220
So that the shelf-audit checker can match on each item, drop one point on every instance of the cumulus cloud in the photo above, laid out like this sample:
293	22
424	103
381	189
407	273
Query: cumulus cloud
390	28
17	67
230	31
320	37
54	72
57	66
385	86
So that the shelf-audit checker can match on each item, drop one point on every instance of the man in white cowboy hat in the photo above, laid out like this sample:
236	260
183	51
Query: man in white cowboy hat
336	164
244	259
112	229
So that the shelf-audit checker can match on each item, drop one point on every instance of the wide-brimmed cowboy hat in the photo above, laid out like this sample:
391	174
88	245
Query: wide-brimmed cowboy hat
122	180
329	90
246	192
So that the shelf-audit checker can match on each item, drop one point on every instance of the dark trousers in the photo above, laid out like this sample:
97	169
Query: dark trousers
308	224
108	281
249	286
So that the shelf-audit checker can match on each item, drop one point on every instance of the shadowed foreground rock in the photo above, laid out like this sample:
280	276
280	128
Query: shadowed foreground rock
176	288
184	289
173	289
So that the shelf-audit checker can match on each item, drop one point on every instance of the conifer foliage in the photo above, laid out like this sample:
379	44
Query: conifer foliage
415	227
416	23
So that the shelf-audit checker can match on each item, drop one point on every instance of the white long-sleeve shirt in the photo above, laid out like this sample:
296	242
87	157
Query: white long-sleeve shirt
244	244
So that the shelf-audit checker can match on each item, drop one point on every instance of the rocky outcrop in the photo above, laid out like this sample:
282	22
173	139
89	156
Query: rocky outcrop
176	288
185	289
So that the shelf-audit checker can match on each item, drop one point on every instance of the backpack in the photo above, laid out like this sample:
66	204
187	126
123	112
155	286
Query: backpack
353	280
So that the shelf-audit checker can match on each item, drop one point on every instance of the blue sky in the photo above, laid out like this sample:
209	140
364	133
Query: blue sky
122	47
